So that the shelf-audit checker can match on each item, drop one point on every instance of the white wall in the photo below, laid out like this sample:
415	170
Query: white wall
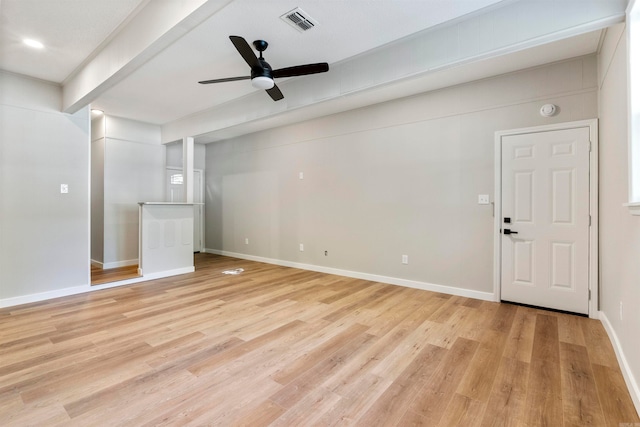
396	178
619	231
133	172
44	235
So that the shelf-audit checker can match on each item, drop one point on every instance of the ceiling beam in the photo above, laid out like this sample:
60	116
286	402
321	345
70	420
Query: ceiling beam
154	27
508	28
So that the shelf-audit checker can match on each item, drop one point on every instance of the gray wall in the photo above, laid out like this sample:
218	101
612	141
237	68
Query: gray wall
44	235
619	231
391	179
133	172
97	188
174	155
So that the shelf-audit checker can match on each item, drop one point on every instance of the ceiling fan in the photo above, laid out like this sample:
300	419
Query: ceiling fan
262	74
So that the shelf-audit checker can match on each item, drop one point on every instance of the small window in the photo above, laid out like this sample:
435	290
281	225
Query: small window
176	179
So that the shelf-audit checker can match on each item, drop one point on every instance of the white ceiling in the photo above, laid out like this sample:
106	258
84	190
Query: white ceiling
164	89
70	30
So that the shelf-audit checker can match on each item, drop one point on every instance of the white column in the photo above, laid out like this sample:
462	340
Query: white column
187	168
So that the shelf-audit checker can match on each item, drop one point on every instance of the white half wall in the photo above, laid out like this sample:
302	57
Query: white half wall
44	235
393	179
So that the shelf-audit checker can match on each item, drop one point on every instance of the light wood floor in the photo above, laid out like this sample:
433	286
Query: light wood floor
100	276
287	347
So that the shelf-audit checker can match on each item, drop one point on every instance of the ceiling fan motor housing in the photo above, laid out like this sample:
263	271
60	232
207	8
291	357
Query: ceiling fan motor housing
261	77
264	71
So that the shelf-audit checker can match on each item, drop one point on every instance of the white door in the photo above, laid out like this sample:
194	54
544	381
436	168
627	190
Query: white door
175	193
545	219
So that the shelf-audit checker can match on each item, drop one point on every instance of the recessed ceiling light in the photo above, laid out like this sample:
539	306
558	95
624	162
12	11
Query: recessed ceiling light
33	43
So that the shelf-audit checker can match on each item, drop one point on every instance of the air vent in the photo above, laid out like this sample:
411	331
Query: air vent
299	20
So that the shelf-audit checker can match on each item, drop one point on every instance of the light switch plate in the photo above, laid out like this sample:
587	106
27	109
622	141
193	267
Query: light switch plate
64	188
483	199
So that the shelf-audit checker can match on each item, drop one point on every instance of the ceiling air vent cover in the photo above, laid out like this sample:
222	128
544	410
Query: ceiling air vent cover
299	19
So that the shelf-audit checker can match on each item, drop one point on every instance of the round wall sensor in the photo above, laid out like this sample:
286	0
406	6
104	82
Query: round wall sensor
547	110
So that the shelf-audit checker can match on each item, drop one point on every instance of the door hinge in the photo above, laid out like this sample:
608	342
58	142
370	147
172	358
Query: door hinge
589	220
589	294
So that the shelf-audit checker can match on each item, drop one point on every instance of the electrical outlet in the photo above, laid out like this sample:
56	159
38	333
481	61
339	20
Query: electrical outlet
64	188
405	259
246	240
326	253
301	247
483	199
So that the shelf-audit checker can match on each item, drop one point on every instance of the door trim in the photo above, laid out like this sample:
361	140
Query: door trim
178	168
593	203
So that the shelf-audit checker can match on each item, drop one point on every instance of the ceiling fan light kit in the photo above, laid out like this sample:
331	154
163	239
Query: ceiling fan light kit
262	74
262	82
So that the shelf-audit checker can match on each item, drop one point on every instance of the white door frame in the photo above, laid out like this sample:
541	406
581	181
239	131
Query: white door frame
593	204
202	194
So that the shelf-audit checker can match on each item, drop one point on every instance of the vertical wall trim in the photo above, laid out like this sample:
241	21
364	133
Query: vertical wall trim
187	168
89	201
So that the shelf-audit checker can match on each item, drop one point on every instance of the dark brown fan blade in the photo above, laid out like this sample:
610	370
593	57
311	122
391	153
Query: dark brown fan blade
228	79
301	70
275	93
245	51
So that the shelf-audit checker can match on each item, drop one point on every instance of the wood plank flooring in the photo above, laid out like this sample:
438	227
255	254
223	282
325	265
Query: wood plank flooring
284	347
100	276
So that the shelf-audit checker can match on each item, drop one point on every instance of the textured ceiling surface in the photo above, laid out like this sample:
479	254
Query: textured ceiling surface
70	30
162	88
345	28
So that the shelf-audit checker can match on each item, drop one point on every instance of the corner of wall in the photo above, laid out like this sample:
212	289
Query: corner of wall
630	380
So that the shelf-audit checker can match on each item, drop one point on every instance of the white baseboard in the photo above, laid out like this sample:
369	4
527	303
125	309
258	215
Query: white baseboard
168	273
116	264
486	296
26	299
42	296
632	384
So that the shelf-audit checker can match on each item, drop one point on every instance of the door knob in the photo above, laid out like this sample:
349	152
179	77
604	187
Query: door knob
507	231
